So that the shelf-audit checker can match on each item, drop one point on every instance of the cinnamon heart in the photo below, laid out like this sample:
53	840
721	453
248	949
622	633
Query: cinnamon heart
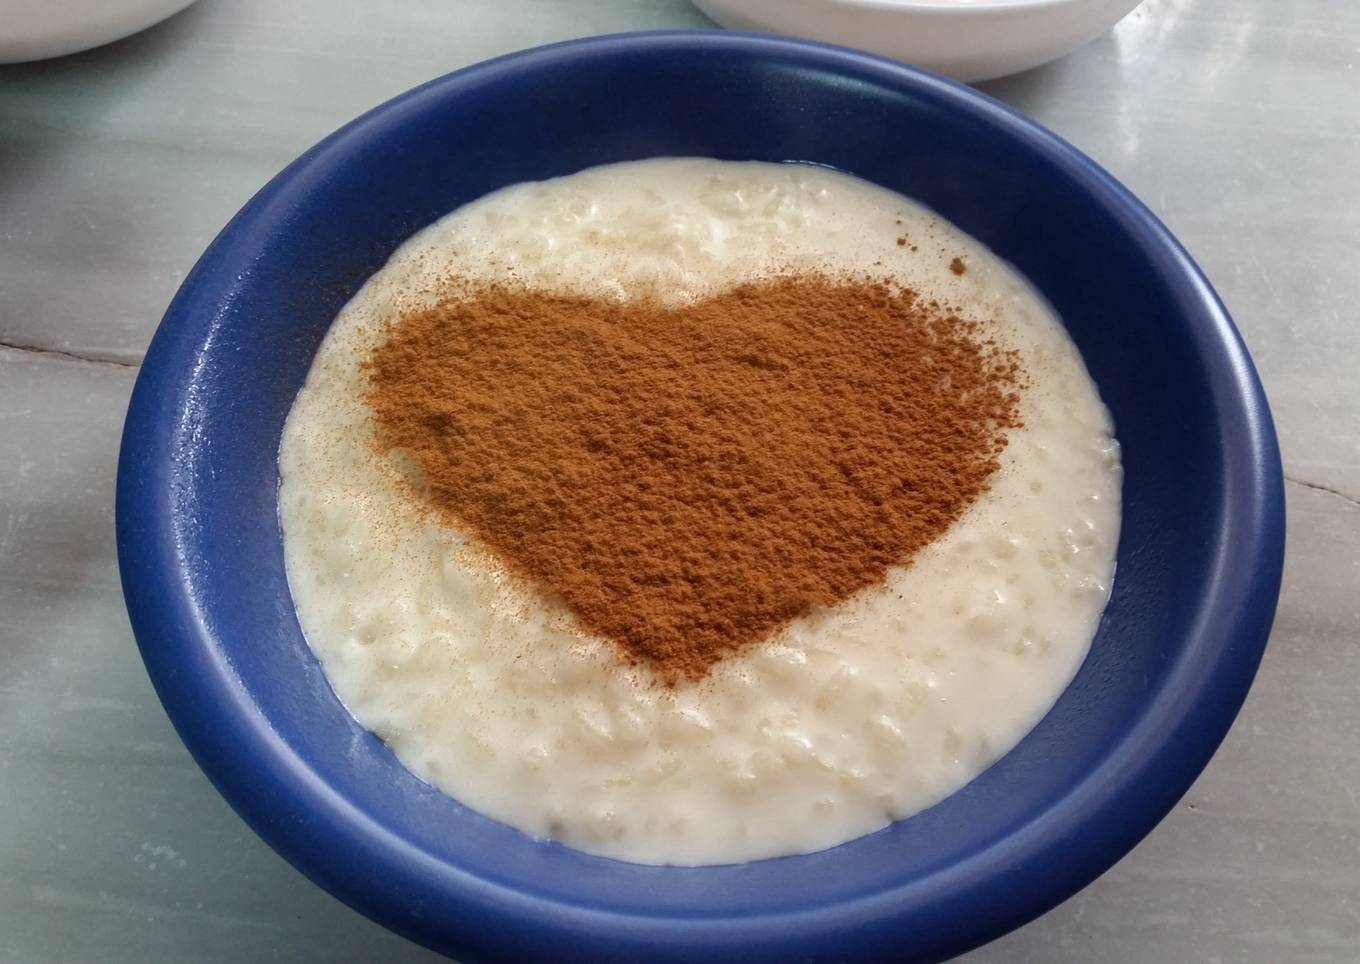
689	479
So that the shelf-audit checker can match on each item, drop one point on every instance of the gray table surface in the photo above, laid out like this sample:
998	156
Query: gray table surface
1238	121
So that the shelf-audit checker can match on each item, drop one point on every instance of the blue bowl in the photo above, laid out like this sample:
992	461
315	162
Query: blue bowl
199	545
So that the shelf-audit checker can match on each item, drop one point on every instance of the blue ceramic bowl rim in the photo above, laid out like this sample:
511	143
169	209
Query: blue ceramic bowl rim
1093	826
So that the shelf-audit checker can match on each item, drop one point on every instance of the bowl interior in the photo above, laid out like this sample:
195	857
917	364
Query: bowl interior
203	566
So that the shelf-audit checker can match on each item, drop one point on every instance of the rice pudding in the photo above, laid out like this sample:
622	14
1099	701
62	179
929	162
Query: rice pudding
845	719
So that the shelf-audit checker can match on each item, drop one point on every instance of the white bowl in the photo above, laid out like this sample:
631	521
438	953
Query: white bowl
968	40
37	29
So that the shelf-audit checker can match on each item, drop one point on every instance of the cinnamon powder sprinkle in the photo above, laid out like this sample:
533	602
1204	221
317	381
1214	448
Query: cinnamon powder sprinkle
688	480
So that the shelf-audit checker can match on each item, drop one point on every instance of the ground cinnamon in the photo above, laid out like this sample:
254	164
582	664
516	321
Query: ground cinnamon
689	479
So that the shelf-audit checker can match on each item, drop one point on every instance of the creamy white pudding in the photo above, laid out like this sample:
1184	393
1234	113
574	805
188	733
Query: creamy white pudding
848	718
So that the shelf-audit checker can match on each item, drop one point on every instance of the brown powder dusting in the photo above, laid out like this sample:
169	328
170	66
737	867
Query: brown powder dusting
687	480
957	266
